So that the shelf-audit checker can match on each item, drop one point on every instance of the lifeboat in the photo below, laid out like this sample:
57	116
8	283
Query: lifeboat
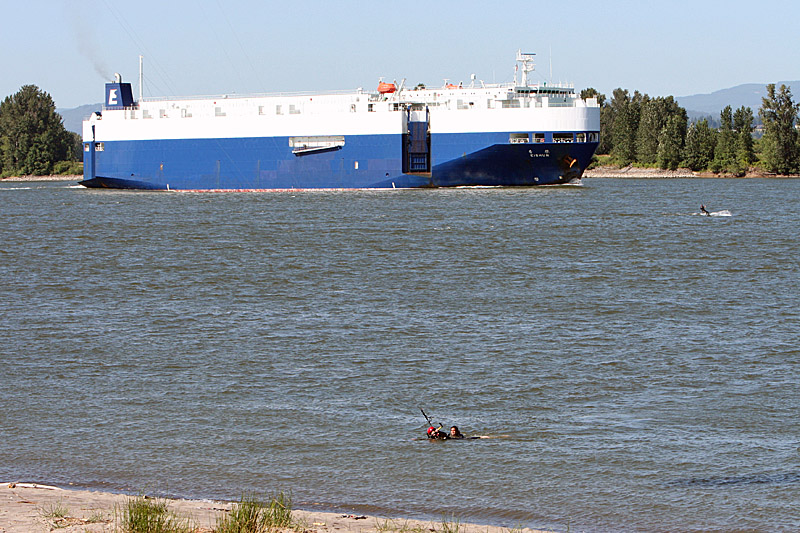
384	88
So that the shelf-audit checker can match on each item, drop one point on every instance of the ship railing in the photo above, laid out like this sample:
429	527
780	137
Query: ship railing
133	107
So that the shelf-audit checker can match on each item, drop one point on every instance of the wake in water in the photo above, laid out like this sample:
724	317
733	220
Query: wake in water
473	437
723	213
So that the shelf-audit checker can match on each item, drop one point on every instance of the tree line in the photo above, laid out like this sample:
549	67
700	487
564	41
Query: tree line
33	139
636	129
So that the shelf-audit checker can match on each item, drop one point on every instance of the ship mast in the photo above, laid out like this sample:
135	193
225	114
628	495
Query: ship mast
141	57
528	65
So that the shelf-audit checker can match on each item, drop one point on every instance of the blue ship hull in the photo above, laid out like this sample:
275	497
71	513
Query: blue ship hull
365	161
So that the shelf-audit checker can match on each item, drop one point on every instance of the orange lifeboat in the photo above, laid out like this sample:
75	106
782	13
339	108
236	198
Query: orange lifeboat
384	88
451	86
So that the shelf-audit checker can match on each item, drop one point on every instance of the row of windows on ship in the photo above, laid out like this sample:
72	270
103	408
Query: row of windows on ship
565	137
293	109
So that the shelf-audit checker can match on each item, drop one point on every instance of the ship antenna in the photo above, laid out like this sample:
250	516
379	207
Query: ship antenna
141	58
528	65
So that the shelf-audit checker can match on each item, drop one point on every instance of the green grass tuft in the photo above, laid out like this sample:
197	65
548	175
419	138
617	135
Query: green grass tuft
450	526
254	515
54	510
142	514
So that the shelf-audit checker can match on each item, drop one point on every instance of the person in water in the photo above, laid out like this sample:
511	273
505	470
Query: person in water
436	433
455	433
705	211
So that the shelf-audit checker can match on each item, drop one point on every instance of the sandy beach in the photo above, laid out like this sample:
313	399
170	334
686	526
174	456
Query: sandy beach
32	507
635	172
658	173
70	177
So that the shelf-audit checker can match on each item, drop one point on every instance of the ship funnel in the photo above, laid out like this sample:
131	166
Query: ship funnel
118	94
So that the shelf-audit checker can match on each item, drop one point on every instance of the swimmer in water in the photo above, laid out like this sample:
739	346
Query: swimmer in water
455	433
436	433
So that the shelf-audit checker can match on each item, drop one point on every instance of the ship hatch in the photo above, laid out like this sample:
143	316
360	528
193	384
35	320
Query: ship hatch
417	142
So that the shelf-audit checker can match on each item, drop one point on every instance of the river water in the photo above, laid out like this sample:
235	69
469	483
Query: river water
636	363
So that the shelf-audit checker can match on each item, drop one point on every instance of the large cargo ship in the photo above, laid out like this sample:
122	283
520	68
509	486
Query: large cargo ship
475	134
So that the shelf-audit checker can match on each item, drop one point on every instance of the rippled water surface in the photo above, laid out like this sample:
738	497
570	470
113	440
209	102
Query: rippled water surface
637	362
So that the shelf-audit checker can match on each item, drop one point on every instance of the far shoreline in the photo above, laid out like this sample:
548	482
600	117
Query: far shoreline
28	507
609	171
54	177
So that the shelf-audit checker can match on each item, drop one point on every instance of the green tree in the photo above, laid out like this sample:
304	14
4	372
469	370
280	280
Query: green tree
625	125
607	114
655	115
32	134
76	148
780	152
670	142
725	150
700	142
650	123
743	125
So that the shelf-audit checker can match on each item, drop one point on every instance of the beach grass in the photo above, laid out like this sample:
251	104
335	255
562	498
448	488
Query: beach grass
450	524
388	525
143	514
54	510
255	515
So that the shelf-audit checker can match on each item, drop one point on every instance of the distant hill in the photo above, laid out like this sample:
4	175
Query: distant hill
747	95
73	118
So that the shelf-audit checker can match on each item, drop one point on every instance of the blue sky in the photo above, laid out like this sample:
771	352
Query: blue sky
199	47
